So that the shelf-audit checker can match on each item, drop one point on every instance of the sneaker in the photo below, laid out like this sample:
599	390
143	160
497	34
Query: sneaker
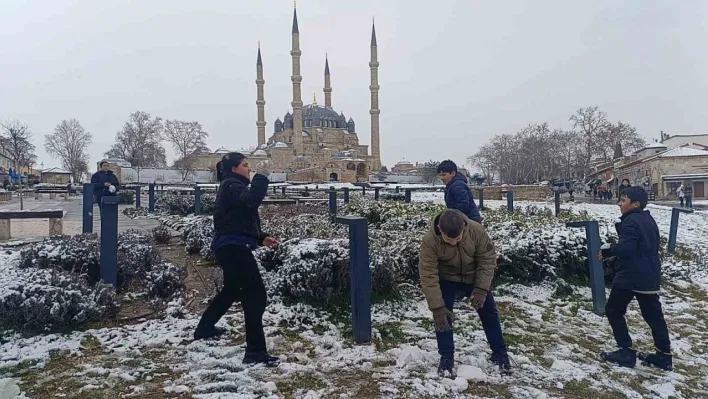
446	366
659	359
501	360
261	358
624	357
208	333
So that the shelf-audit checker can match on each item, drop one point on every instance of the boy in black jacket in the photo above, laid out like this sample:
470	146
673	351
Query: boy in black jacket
637	275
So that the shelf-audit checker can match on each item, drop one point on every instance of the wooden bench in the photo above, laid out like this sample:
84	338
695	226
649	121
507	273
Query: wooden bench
54	216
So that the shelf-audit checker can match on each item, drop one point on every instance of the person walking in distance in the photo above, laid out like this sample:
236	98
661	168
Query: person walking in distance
680	193
458	260
105	183
457	191
237	228
637	275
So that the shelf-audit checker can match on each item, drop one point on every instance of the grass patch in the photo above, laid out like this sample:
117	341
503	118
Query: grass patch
390	336
298	382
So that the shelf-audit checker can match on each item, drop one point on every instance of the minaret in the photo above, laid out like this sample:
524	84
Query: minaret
327	88
296	79
374	111
260	101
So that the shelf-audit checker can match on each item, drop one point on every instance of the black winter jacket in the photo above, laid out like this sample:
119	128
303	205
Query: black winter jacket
100	178
637	251
236	208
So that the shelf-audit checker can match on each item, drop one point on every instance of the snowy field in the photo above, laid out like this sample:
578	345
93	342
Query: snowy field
554	345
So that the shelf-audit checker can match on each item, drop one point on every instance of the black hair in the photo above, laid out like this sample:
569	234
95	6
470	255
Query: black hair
219	173
625	180
451	223
229	161
636	194
447	166
102	162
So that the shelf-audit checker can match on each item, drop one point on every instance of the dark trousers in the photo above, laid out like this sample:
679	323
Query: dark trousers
242	281
650	307
689	201
681	199
487	314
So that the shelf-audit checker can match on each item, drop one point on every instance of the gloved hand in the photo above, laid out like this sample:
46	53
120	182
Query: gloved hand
443	319
605	251
606	246
479	295
263	167
112	189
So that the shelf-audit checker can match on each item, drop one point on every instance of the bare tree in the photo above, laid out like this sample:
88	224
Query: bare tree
187	139
590	122
16	141
617	135
140	142
69	143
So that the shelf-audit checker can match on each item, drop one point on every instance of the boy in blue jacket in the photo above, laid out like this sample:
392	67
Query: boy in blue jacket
638	275
457	193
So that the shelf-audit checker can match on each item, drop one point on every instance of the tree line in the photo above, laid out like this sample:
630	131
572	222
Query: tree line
139	142
537	153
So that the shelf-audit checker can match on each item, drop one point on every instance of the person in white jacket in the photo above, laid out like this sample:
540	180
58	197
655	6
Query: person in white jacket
679	192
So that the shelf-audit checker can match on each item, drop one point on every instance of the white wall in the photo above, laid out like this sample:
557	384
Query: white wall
397	179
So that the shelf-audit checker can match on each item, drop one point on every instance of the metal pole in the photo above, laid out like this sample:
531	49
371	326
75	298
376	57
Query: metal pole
88	209
109	240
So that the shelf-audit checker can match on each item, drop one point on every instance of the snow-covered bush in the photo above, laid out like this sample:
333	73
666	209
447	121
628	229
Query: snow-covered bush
134	213
80	255
175	204
161	234
316	269
49	299
126	196
393	196
198	236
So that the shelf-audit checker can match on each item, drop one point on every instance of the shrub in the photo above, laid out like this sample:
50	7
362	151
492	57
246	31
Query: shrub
80	255
135	213
39	300
126	197
198	236
174	204
161	234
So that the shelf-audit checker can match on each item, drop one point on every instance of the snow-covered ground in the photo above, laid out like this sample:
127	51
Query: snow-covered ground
554	344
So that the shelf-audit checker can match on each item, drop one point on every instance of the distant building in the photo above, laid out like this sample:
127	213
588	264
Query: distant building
55	176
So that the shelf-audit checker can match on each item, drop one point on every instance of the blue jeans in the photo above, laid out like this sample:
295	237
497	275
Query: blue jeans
487	315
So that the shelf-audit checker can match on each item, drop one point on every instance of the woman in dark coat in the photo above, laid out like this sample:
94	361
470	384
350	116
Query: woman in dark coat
237	232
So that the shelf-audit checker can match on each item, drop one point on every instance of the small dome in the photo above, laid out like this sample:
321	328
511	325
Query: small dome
280	144
260	153
656	145
404	162
221	150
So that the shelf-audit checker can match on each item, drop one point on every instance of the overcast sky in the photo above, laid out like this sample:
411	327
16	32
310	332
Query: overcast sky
452	73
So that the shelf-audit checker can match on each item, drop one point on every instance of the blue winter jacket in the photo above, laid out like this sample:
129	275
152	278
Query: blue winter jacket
459	196
638	267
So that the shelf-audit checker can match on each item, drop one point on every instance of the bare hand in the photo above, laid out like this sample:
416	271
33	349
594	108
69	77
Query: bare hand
599	255
270	242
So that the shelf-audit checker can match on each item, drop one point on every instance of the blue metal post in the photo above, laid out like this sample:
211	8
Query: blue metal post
109	240
398	189
332	203
151	197
88	209
346	195
360	276
510	201
408	195
137	197
197	200
481	199
363	191
597	273
673	229
376	193
274	189
558	202
282	190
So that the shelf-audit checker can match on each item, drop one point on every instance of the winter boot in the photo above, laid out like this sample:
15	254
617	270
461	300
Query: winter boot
624	357
208	332
659	359
260	358
502	360
447	364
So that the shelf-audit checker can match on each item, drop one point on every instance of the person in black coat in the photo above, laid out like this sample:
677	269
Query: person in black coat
637	275
237	228
105	183
457	192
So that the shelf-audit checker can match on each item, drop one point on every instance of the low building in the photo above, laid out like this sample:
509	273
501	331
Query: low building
661	170
55	176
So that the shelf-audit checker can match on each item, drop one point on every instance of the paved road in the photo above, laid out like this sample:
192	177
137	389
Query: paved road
72	221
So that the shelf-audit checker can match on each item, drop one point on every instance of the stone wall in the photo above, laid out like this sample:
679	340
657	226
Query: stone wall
521	193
